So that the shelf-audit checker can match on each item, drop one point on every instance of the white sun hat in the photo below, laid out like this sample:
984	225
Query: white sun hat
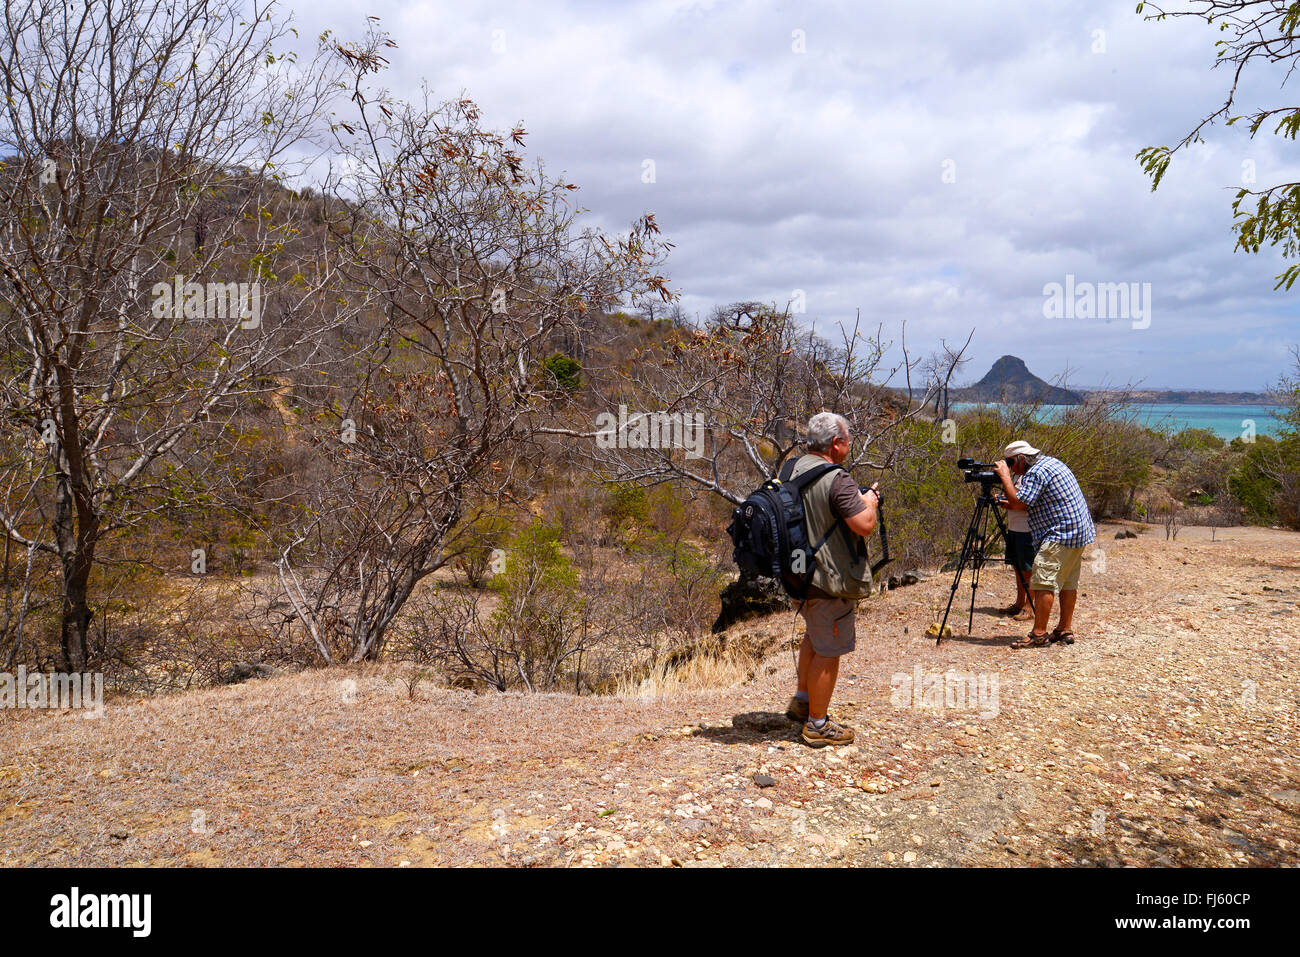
1019	447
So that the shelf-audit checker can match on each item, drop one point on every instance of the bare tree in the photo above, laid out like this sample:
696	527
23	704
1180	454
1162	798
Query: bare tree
740	390
471	262
1172	518
125	126
939	369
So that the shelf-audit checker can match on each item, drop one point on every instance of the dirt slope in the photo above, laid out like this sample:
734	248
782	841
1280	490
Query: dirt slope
1166	735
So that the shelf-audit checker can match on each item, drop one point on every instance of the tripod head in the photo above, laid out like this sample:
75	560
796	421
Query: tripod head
982	472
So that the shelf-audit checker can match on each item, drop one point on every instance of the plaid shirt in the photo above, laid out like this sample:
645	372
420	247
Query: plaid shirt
1058	511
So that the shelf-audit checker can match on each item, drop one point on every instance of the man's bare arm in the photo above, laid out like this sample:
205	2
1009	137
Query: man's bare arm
864	522
1008	489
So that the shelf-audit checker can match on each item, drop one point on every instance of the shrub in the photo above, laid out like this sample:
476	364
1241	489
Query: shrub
625	504
1267	480
566	371
537	617
477	541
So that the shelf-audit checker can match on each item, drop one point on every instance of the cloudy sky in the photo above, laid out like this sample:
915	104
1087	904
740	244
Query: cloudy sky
936	164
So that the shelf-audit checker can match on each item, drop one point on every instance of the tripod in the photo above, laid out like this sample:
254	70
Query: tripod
972	554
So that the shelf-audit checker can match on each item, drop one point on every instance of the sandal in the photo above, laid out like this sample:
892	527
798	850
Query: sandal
1031	641
1012	610
1065	636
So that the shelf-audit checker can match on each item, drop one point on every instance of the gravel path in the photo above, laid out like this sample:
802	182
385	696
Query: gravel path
1167	735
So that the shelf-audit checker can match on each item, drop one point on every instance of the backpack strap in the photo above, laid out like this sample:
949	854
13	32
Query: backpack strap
804	479
799	483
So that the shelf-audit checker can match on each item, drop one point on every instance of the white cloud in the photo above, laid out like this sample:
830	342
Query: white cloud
822	170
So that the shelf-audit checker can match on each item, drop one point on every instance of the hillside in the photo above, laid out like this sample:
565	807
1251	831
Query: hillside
1164	736
1179	396
1009	380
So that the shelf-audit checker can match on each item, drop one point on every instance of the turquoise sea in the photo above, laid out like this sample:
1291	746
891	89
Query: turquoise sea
1225	421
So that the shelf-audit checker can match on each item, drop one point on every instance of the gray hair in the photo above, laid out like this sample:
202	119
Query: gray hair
824	428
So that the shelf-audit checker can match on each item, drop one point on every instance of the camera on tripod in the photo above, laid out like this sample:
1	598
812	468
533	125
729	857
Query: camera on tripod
974	547
980	472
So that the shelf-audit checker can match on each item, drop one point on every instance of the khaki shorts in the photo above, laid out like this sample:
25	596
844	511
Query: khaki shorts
830	625
1056	568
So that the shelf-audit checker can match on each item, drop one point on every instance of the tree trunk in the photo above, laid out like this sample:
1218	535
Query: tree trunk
76	618
76	556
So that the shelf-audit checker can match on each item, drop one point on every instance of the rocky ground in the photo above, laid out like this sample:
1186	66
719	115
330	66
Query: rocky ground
1167	735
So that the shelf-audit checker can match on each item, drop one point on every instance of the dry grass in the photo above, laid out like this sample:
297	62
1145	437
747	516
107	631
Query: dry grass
710	672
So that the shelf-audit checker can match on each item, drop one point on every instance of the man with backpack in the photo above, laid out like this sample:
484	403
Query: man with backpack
838	517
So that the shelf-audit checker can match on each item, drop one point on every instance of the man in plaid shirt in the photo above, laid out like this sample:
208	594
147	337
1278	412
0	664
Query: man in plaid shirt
1061	526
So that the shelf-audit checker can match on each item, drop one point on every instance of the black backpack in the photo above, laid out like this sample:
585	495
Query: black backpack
770	532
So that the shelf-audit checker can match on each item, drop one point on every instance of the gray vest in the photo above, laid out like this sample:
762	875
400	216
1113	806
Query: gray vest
842	566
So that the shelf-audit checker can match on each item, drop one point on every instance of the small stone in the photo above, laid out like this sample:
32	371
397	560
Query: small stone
764	780
909	857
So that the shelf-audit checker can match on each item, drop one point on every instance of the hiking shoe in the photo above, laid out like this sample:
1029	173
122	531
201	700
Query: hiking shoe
1032	641
797	710
830	733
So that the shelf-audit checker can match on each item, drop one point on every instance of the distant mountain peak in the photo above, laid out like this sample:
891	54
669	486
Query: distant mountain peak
1009	380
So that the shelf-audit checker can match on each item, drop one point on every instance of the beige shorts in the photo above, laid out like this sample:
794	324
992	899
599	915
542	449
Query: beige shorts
1056	568
830	625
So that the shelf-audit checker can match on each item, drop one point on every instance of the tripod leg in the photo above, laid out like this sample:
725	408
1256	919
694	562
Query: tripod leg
967	548
982	509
